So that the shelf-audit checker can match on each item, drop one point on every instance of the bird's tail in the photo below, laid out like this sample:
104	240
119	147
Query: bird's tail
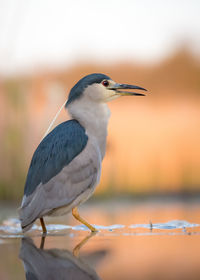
31	208
25	224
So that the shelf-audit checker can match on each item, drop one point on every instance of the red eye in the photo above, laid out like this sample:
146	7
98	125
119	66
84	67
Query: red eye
105	83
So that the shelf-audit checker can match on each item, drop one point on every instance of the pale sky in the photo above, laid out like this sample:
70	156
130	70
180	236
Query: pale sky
54	33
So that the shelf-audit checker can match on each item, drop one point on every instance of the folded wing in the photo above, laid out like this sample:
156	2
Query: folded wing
64	166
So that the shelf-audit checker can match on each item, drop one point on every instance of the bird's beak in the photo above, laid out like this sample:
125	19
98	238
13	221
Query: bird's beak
124	87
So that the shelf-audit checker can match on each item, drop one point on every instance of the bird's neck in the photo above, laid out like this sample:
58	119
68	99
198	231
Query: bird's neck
94	118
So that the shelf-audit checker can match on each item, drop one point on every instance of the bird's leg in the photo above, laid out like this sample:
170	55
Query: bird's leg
43	226
78	217
80	245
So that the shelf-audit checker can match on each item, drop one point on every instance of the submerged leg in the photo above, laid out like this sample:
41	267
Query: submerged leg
77	216
43	226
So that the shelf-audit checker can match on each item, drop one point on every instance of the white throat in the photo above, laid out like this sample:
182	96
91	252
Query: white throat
93	116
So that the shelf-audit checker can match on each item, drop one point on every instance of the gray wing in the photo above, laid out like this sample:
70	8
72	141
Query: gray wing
55	151
75	179
79	177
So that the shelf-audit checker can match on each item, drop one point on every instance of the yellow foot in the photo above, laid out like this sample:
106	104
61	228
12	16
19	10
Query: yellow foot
78	217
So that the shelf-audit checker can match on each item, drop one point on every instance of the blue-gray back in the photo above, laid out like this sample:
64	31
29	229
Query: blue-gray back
54	152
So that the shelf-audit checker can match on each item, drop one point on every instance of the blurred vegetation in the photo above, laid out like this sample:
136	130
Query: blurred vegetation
28	104
12	138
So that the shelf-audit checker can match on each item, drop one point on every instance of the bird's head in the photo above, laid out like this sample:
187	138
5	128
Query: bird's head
100	88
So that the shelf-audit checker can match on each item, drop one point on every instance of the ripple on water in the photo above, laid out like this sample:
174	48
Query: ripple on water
175	224
11	228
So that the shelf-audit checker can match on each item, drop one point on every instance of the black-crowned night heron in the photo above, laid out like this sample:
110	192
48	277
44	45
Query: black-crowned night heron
66	166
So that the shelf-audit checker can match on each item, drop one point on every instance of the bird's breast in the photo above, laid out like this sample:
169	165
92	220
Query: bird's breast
94	118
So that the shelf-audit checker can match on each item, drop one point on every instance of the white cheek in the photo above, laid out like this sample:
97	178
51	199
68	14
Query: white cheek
99	93
109	95
106	93
112	97
94	92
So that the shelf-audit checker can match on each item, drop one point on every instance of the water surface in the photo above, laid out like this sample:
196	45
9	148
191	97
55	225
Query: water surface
146	240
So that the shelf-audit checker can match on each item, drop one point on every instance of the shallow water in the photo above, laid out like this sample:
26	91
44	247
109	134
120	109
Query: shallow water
145	240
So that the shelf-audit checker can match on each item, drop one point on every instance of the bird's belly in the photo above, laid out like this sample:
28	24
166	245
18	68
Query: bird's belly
67	208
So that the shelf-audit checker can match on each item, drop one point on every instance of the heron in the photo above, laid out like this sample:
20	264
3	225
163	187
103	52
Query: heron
66	166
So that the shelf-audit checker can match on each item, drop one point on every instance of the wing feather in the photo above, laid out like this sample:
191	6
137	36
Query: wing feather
56	151
76	177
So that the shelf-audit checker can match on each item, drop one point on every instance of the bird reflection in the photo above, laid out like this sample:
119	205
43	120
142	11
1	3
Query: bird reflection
57	264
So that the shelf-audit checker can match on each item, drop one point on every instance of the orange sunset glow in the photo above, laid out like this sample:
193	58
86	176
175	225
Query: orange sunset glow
153	141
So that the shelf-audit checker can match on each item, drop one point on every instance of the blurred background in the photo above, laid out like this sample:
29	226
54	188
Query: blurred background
47	46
